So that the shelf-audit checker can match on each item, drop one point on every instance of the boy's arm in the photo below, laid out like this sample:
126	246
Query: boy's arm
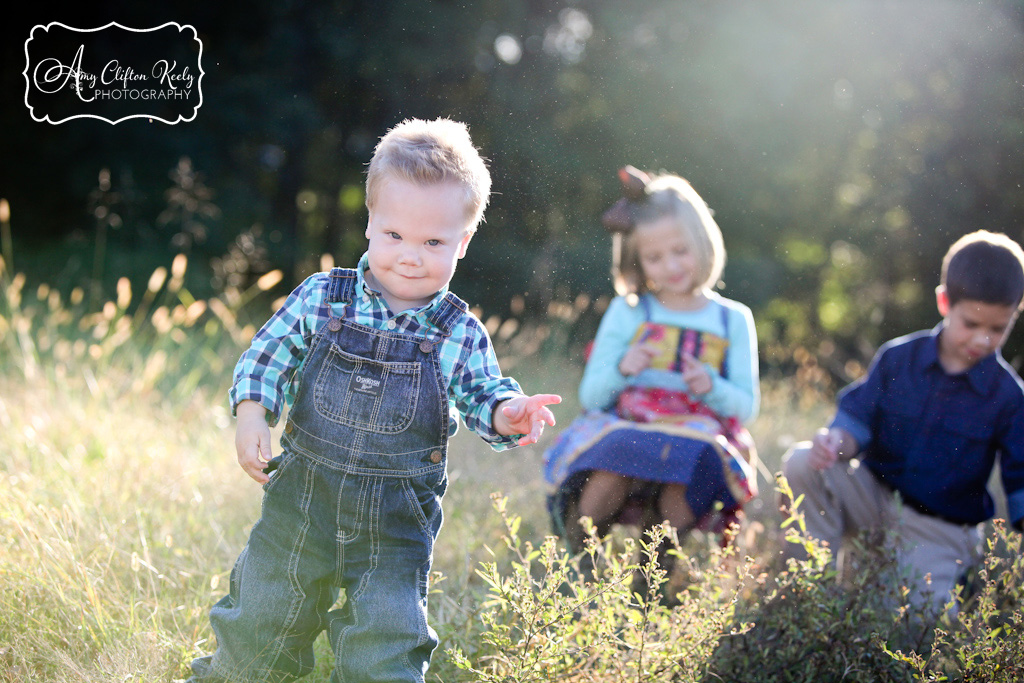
1010	441
478	388
276	350
524	415
850	430
859	402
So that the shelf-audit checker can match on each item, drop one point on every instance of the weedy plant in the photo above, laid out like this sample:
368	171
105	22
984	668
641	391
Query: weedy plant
812	625
113	460
984	642
545	620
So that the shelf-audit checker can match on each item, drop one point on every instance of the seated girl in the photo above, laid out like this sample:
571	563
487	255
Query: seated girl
671	378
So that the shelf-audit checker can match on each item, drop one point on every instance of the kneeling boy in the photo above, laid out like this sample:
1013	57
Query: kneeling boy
926	425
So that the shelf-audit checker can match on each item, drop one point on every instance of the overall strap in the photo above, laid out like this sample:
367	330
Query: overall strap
448	313
341	285
725	327
646	304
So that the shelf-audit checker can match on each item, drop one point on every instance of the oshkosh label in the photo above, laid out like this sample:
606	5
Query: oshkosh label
367	385
113	73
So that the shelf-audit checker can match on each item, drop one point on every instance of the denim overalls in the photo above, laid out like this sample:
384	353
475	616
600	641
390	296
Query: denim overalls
355	504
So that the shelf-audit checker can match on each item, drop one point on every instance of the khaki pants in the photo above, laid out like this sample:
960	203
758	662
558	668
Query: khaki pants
847	499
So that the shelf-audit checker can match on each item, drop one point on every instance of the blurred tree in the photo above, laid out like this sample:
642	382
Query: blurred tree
843	146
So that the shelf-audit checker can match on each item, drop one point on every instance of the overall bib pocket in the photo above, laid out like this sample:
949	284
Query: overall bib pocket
375	396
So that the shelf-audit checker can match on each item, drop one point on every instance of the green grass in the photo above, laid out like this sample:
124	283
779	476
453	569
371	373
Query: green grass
124	510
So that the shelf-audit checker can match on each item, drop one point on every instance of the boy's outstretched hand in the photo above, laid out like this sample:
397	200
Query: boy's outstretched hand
252	440
830	446
525	415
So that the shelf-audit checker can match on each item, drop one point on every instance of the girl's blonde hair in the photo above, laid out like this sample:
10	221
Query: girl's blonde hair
670	196
429	152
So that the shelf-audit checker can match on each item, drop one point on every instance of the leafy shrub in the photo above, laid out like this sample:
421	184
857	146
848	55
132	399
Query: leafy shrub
811	626
546	620
986	641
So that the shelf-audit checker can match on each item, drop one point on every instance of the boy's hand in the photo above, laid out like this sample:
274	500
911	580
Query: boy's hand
252	440
825	448
638	358
696	375
525	415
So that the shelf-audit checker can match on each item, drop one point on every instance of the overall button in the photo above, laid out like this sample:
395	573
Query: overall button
426	347
435	457
392	324
334	325
288	428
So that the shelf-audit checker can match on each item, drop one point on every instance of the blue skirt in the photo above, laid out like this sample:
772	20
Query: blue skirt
691	452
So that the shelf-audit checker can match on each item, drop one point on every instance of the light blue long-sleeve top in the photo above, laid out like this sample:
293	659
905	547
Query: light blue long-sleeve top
736	395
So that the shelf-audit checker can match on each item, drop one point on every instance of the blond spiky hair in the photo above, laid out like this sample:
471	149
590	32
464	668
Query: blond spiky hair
429	152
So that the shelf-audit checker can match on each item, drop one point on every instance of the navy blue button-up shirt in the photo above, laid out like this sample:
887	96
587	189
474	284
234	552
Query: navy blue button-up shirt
934	437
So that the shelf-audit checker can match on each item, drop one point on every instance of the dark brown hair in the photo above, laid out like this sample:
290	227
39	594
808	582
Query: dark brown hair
984	266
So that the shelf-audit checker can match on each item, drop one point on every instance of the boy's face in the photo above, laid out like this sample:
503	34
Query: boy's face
973	330
417	235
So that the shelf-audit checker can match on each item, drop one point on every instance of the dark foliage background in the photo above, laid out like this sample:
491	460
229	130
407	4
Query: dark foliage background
843	146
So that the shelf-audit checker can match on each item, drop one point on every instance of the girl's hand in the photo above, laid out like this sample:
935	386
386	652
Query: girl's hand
697	377
252	440
638	358
525	415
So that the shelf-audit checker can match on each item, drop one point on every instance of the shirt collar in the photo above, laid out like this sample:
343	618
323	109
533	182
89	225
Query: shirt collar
981	375
363	287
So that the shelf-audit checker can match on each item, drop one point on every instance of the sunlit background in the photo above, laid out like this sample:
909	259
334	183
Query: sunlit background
842	146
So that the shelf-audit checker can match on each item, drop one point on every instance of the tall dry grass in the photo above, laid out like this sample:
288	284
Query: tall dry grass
119	500
124	509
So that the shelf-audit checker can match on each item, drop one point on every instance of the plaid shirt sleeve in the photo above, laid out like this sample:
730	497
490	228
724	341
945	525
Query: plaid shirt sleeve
478	386
265	370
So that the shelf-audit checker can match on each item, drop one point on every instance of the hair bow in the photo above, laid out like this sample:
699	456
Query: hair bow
620	218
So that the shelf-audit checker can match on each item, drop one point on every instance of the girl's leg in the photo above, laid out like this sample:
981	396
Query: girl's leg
673	506
603	496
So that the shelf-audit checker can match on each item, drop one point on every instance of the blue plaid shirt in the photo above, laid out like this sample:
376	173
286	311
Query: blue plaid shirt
270	371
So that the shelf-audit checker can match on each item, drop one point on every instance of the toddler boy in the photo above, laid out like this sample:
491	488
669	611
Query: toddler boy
926	424
373	362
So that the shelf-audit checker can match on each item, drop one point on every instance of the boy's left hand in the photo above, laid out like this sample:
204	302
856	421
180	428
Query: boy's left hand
696	375
525	415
